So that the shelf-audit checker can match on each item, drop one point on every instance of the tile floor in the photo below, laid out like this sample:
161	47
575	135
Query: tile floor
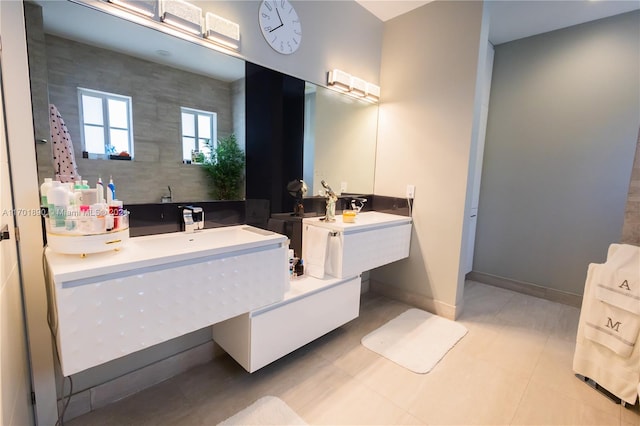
513	367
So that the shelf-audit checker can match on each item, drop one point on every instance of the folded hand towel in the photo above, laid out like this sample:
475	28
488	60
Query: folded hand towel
612	327
315	240
617	282
333	265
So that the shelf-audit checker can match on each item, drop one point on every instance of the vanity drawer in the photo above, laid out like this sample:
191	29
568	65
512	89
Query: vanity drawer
263	336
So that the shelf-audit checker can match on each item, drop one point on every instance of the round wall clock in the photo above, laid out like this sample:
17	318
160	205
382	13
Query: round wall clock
280	25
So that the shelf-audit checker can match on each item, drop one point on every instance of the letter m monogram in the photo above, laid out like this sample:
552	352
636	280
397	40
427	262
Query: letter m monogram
613	326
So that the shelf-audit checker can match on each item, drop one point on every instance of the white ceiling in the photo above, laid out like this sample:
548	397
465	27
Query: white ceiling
515	19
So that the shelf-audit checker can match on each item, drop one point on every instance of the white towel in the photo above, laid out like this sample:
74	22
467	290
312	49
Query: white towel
612	327
333	266
617	282
315	240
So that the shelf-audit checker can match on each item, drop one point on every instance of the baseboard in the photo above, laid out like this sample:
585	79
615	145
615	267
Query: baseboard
414	299
527	288
128	384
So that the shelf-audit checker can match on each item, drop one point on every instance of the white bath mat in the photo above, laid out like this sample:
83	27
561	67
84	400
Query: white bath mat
416	339
268	410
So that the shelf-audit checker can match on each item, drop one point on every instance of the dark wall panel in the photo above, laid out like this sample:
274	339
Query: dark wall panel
275	129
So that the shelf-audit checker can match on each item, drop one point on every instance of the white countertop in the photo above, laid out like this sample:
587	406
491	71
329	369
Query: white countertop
153	250
364	220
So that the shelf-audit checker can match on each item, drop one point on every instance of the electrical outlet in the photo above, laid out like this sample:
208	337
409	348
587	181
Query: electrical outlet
343	187
411	191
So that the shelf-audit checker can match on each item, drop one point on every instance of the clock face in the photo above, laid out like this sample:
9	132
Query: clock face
280	25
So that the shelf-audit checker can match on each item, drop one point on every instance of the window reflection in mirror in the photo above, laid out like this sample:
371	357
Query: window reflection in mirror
162	77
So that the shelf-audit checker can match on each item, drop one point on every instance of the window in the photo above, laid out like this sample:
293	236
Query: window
105	123
199	131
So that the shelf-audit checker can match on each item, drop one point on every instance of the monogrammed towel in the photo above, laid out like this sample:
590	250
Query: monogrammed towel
617	282
610	326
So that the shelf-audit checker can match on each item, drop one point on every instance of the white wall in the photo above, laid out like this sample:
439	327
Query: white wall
428	79
335	34
560	143
15	382
15	76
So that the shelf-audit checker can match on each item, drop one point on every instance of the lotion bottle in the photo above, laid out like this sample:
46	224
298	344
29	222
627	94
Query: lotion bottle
58	199
44	189
100	190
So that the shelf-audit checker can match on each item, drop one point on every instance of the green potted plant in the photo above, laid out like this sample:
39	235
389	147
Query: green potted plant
224	166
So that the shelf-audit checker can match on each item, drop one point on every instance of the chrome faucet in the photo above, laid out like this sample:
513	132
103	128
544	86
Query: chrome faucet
355	206
167	198
192	218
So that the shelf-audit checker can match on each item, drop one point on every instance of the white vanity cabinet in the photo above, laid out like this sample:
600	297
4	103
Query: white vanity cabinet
313	306
309	310
159	287
374	239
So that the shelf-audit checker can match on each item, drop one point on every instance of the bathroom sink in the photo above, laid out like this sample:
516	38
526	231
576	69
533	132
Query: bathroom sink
373	240
159	287
364	221
152	250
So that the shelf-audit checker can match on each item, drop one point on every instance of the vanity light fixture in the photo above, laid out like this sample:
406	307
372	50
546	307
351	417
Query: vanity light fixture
373	93
353	86
222	31
358	87
143	7
339	80
181	14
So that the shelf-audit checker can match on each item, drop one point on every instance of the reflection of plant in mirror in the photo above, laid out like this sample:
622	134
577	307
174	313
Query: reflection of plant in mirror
225	167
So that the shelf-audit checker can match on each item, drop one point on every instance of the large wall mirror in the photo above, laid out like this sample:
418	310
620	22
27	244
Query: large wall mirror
73	46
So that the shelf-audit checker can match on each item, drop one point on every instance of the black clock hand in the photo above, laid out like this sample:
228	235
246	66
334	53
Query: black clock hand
279	18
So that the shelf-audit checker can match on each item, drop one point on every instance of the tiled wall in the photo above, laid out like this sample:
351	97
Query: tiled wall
631	227
157	94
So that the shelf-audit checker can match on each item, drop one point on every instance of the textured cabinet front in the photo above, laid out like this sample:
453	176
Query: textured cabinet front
355	252
103	320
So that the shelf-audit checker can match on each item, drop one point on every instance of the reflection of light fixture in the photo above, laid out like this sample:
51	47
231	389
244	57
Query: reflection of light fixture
222	31
339	80
353	86
143	7
358	86
181	14
373	92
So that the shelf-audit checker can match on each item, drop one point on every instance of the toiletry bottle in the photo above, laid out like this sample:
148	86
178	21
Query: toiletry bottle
44	189
58	199
100	190
84	221
111	191
115	209
291	263
98	219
